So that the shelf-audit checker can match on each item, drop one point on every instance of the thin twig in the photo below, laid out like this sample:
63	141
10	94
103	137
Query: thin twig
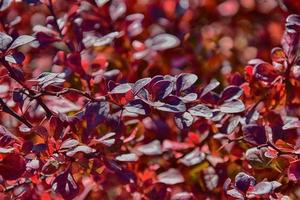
31	92
6	109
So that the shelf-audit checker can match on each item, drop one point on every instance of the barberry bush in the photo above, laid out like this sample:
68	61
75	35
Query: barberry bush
149	99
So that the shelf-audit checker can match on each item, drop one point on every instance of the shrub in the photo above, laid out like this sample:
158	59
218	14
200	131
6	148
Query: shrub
149	100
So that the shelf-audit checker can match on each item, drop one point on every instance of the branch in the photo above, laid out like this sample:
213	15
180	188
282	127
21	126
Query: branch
62	92
6	109
281	152
56	26
31	92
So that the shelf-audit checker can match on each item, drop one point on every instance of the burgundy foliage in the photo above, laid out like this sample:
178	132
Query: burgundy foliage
154	99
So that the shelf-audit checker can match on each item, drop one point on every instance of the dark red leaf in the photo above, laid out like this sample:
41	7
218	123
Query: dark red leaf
65	185
12	166
161	89
255	134
294	171
230	93
243	181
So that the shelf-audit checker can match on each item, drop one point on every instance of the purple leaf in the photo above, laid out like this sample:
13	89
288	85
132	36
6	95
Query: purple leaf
256	157
227	184
243	181
106	39
234	121
121	89
261	188
83	149
151	149
117	9
33	164
100	3
16	58
211	86
275	184
111	73
49	78
161	89
5	40
255	134
184	120
293	124
170	177
5	4
193	158
162	42
125	175
6	150
138	106
235	194
129	157
96	113
234	106
107	139
189	98
7	133
201	110
138	85
293	19
173	104
183	196
21	40
185	81
65	185
68	144
231	93
154	80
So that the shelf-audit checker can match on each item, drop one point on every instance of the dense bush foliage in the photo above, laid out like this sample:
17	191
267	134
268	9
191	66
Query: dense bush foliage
149	99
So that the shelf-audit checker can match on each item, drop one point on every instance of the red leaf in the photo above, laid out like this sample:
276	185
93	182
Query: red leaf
12	166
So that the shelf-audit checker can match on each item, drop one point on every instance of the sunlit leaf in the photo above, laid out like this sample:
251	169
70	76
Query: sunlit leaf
163	41
185	81
193	158
184	120
170	177
117	9
235	106
130	157
101	2
137	106
83	149
152	148
201	110
211	86
21	40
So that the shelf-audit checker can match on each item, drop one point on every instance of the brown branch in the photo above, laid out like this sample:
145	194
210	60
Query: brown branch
56	26
6	109
279	151
31	92
12	187
62	92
